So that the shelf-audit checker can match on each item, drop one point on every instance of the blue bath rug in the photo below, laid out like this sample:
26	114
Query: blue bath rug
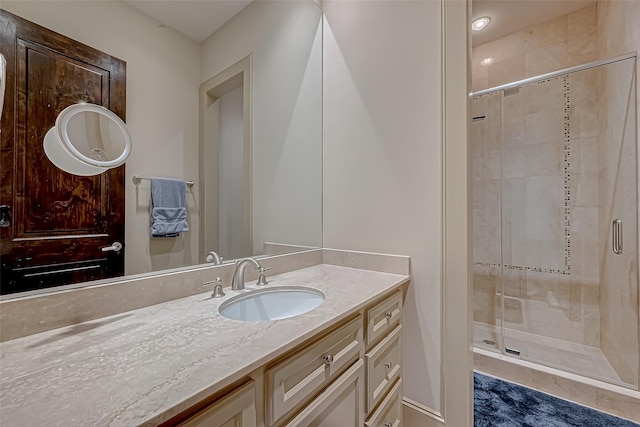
498	403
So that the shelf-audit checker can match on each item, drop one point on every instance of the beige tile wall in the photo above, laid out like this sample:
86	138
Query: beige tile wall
540	182
553	45
485	171
552	305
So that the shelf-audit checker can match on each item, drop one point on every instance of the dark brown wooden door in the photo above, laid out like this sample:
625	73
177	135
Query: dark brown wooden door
59	222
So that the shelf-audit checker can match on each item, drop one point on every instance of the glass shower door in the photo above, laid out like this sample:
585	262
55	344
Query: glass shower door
618	305
535	190
486	145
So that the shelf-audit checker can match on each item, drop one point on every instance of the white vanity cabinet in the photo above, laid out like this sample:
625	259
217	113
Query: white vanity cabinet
347	376
384	362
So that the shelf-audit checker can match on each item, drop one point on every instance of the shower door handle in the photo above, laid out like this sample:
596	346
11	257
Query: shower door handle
616	230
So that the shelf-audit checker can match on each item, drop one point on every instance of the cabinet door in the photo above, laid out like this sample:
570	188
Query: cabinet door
339	405
238	409
384	367
389	414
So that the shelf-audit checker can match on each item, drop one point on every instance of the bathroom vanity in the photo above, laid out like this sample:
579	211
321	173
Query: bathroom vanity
182	363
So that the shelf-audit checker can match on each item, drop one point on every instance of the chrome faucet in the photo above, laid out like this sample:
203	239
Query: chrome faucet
237	283
214	257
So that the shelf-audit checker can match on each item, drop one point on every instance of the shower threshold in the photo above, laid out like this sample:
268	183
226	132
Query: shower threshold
568	356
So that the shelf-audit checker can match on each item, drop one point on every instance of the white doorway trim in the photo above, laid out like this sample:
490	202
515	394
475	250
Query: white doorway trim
238	75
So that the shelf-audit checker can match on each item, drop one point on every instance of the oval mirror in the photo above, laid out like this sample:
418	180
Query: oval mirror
63	159
87	140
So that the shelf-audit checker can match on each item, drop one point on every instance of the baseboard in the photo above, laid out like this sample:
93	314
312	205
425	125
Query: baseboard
416	415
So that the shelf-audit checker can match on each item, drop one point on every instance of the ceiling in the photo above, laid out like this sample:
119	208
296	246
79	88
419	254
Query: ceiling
510	16
198	19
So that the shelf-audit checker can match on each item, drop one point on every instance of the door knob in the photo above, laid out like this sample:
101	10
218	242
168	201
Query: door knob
115	246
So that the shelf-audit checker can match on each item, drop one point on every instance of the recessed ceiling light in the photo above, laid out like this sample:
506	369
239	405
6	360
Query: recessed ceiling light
486	62
480	23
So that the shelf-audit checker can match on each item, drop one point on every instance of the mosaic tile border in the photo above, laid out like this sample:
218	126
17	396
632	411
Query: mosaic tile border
567	177
520	268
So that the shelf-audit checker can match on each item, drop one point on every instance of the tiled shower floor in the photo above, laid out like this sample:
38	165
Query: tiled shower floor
568	356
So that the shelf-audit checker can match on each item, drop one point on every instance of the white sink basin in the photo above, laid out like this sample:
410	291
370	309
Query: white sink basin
271	303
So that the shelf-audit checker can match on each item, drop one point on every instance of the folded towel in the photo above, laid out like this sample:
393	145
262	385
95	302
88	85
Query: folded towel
168	207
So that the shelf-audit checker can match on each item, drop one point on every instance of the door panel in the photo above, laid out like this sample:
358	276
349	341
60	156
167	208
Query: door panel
55	202
60	222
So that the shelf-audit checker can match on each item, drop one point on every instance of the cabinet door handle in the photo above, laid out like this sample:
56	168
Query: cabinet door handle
328	359
388	315
387	365
388	424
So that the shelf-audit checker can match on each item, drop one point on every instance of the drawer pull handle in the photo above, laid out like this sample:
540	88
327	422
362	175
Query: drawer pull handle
387	365
388	315
328	359
388	424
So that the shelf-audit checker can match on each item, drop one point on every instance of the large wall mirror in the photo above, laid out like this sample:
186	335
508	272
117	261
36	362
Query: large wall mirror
227	95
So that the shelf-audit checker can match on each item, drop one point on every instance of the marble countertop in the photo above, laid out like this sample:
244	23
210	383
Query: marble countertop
147	365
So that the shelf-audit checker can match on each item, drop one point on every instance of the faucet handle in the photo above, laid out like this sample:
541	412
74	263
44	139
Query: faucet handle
217	291
211	282
217	288
262	279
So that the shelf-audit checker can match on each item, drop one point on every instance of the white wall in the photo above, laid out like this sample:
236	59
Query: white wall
382	158
162	110
284	38
231	175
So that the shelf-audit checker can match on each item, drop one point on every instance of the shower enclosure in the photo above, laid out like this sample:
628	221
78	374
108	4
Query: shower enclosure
555	223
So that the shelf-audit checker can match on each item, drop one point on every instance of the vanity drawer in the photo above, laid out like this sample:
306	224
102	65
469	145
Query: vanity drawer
383	317
389	414
297	378
384	367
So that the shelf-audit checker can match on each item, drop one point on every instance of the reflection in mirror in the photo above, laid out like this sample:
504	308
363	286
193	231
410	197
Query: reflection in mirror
96	137
166	73
3	81
87	140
